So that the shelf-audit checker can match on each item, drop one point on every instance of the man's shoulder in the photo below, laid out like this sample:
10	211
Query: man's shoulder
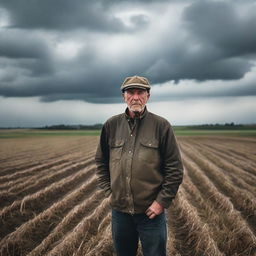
158	119
114	118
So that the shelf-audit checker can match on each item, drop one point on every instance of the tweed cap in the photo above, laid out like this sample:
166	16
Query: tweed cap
135	82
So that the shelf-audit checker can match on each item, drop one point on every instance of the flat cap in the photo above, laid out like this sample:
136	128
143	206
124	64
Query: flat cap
135	82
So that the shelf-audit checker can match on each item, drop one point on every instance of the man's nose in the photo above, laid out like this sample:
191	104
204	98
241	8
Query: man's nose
135	96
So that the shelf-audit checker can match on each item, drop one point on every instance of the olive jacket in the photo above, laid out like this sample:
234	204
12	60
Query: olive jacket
138	161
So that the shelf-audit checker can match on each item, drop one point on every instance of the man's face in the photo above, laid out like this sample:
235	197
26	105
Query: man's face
136	99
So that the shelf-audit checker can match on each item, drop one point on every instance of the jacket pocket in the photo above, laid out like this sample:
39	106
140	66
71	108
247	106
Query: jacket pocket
116	148
149	150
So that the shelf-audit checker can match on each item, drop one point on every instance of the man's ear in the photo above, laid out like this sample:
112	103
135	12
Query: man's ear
148	95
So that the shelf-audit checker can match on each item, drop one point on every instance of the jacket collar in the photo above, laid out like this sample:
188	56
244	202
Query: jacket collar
140	117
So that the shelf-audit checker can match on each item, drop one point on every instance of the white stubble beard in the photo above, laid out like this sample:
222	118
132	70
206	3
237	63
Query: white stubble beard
136	109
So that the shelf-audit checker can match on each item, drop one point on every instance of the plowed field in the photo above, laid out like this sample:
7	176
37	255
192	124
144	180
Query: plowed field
50	205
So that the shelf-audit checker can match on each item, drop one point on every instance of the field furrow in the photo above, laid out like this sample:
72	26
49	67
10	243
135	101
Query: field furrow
35	184
188	229
12	182
40	151
93	247
245	166
225	225
238	177
226	152
68	222
84	231
51	205
32	232
242	148
241	199
22	210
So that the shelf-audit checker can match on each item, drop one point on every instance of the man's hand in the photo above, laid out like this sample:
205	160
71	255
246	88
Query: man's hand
154	209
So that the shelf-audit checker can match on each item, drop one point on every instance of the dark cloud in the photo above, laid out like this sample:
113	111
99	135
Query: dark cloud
213	40
202	64
139	20
220	43
63	15
88	84
13	45
19	55
81	96
224	25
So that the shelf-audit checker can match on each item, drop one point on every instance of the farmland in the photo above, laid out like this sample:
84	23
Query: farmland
49	203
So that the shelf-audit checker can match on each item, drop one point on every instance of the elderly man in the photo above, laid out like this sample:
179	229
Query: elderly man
139	166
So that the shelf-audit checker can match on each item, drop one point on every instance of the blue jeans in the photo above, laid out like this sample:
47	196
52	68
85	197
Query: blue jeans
128	229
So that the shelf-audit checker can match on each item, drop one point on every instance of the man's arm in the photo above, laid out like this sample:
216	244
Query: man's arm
102	162
172	168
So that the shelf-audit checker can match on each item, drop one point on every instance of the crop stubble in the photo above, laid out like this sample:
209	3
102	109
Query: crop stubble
50	205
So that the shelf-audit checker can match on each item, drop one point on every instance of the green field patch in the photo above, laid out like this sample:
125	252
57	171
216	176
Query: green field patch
192	132
179	131
23	133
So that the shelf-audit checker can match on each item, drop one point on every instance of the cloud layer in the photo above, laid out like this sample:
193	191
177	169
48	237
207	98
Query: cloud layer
83	50
202	40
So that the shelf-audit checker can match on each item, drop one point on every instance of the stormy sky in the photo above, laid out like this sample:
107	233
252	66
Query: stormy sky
63	61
